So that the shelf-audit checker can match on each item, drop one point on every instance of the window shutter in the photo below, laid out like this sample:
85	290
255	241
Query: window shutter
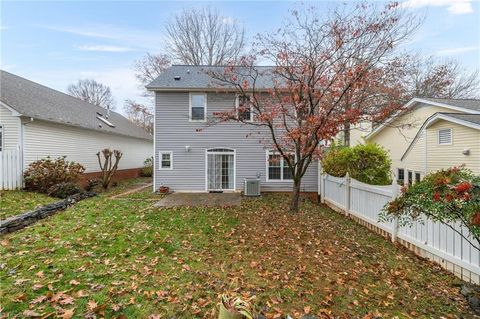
445	136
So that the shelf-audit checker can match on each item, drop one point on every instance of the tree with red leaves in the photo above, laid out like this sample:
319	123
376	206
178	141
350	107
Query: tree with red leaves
327	71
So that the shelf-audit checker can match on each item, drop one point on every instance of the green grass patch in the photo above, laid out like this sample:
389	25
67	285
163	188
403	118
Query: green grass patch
15	202
113	257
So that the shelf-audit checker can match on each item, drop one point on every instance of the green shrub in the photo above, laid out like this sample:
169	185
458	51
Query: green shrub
43	174
368	163
147	169
63	190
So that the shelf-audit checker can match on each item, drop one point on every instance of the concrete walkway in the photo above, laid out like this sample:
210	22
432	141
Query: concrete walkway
200	199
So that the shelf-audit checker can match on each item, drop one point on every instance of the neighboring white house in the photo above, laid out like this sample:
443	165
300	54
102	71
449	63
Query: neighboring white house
36	122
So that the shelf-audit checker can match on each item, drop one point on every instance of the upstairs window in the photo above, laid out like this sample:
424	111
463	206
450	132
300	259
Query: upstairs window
445	136
165	160
278	168
198	107
244	108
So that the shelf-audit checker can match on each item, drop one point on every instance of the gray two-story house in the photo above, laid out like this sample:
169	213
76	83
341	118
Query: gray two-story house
194	155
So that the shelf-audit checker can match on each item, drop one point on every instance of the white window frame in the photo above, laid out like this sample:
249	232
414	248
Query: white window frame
451	135
160	155
398	174
237	105
267	178
190	106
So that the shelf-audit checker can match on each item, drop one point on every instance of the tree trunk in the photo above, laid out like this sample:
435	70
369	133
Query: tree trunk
346	133
295	197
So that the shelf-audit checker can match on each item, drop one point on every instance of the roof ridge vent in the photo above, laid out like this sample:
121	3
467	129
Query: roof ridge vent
177	77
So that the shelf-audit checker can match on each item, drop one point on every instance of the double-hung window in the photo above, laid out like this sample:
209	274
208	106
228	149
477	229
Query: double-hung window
244	108
278	169
165	160
198	107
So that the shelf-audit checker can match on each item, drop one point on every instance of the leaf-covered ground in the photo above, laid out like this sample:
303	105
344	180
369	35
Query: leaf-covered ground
122	258
17	202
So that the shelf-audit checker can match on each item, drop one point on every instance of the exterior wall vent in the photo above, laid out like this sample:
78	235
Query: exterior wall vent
252	187
177	78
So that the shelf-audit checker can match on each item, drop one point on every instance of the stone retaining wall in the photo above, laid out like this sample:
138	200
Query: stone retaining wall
17	222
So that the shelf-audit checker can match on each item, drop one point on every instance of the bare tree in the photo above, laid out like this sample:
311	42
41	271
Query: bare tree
139	114
92	92
150	67
204	37
436	78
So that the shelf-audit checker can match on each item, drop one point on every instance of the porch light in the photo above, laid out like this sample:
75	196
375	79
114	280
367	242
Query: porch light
187	148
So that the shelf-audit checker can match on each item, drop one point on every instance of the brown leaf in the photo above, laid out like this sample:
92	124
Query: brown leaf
307	309
67	314
31	314
81	294
74	282
39	299
40	274
92	305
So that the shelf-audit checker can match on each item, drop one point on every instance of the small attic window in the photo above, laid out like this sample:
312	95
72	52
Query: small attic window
177	77
104	120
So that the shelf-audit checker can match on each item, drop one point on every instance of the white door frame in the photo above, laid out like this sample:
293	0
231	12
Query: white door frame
230	151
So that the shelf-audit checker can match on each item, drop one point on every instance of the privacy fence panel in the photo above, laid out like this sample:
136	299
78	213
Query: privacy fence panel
10	169
441	243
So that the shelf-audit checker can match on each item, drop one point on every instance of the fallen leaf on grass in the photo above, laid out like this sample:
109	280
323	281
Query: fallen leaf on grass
67	314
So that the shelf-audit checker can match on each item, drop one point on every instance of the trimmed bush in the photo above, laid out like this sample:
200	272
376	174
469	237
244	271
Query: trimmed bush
63	190
368	163
43	174
147	169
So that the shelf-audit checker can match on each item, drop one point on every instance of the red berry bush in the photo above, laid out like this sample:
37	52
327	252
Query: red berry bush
446	196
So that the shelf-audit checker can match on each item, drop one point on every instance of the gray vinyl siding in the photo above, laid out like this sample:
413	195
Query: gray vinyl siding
173	132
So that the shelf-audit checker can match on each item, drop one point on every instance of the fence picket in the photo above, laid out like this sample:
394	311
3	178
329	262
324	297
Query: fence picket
431	239
10	169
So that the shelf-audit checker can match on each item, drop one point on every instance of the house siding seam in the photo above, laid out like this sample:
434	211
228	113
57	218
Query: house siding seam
174	131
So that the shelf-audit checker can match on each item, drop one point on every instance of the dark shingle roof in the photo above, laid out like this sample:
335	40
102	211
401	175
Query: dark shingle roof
472	118
197	77
472	104
40	102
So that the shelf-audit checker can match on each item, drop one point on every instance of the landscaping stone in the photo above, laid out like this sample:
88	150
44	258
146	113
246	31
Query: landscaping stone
472	294
17	222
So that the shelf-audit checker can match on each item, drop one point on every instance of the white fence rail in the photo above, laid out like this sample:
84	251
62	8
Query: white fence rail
432	240
10	169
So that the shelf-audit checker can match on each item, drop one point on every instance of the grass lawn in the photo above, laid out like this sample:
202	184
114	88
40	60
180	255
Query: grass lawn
17	202
122	258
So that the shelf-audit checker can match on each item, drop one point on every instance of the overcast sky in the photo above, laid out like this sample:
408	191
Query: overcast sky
56	43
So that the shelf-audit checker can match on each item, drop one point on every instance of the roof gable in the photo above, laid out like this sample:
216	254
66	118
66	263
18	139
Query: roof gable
40	102
469	106
468	120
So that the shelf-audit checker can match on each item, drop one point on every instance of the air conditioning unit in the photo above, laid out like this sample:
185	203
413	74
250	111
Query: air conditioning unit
252	187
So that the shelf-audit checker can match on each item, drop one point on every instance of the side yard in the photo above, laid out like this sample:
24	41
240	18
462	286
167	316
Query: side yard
113	257
16	202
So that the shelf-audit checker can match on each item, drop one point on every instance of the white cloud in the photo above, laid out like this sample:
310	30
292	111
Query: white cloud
459	50
103	48
130	37
453	6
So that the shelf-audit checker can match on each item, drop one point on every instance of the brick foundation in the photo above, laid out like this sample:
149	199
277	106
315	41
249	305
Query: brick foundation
119	175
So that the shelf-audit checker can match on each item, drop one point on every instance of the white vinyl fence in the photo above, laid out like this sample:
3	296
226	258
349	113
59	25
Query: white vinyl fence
10	169
432	240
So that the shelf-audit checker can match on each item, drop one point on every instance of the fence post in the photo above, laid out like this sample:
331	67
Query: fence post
322	188
347	194
395	221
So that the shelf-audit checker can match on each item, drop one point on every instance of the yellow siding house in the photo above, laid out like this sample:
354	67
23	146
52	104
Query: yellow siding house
431	134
